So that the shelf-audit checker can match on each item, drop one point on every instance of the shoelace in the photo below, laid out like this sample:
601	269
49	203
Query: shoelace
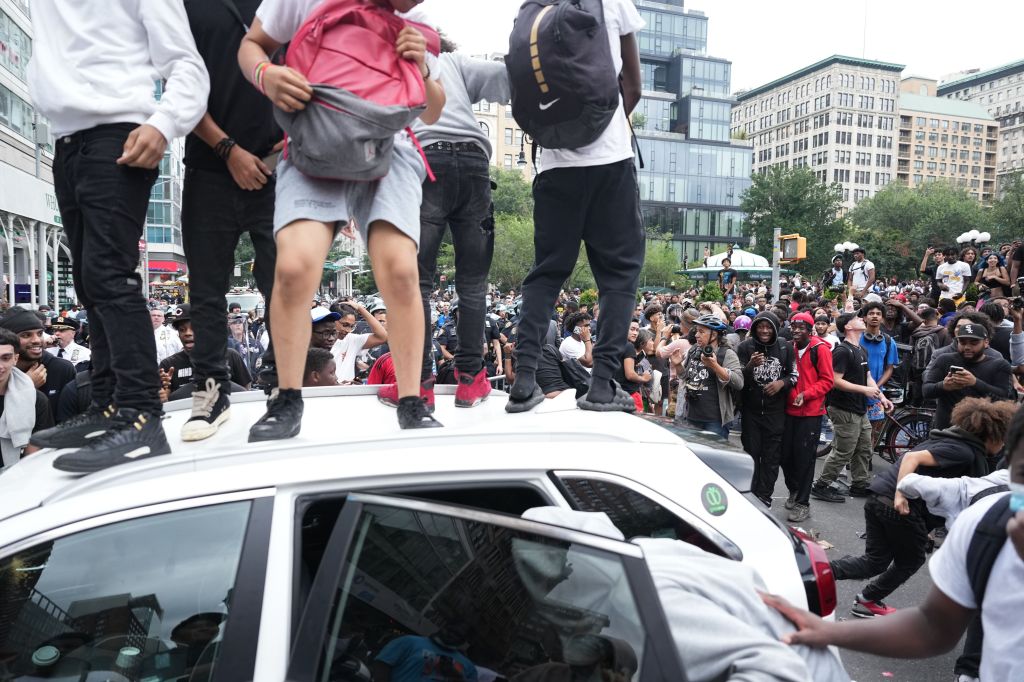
86	417
203	400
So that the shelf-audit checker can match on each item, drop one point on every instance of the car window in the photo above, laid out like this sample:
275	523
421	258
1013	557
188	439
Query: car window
429	596
143	599
634	514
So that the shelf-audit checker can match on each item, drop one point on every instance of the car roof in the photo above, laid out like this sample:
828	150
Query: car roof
347	433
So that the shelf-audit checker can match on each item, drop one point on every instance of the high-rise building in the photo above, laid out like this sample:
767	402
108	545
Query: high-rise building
34	257
837	117
943	139
694	173
163	252
1001	92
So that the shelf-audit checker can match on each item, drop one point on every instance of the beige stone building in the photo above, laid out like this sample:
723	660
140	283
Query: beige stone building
505	134
945	139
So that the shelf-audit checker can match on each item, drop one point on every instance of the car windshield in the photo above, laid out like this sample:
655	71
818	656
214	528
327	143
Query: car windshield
692	435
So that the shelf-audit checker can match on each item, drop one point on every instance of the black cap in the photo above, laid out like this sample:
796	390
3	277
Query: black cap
972	330
65	323
182	313
20	320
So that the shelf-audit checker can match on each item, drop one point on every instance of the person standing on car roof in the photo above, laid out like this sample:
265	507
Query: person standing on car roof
769	372
805	408
228	191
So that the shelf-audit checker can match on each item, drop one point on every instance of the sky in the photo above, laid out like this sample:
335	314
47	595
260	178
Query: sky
767	40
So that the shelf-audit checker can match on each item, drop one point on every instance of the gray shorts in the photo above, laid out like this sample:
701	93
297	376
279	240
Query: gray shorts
395	197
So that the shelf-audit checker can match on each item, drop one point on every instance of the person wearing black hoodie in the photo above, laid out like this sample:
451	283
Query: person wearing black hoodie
769	371
897	528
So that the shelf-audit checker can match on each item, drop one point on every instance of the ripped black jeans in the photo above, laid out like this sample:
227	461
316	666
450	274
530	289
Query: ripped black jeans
459	199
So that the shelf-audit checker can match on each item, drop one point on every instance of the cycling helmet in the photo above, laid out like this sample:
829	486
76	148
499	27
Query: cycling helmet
742	322
711	322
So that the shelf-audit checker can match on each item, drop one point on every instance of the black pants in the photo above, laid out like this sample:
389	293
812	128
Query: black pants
460	199
891	538
600	206
103	209
761	436
969	662
214	213
799	450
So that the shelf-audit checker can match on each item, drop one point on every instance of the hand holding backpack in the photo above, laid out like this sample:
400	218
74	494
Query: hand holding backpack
364	92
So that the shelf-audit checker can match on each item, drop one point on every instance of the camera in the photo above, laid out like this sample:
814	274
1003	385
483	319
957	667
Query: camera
1018	303
708	351
676	329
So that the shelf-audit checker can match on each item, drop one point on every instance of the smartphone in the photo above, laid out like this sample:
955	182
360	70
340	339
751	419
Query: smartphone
577	331
953	369
1018	303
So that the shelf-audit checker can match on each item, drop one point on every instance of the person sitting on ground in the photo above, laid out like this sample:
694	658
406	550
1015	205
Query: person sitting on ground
320	368
577	345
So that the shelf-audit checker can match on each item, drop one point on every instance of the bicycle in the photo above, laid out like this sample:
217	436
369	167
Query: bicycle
904	428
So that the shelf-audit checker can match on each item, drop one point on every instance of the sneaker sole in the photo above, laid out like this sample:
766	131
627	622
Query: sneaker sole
833	500
201	430
474	403
855	614
85	468
383	401
79	442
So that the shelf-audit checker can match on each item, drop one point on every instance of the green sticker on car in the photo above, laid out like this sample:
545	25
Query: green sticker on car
714	499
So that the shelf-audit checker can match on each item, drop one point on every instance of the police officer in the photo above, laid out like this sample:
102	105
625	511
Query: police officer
65	329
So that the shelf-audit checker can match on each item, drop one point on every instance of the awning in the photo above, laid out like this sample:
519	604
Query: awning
166	266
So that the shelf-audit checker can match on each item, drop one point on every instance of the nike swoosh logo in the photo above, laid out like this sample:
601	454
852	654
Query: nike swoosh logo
545	107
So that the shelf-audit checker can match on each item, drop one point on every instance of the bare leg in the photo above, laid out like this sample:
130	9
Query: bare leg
301	249
393	257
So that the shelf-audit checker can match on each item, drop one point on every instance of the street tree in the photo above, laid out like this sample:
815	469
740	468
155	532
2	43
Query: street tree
660	262
513	194
898	223
1008	210
794	200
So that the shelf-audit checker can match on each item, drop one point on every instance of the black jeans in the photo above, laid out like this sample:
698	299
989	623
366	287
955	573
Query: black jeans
214	214
761	436
891	538
600	206
460	199
103	209
799	450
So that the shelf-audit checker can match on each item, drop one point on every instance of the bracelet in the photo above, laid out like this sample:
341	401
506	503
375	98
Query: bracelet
223	148
257	75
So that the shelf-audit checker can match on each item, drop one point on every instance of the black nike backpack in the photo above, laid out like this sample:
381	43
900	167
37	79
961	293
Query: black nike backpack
565	90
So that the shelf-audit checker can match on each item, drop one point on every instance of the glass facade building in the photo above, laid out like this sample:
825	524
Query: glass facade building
694	174
166	255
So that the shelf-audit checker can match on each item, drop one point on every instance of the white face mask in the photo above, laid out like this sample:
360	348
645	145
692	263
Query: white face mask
1017	497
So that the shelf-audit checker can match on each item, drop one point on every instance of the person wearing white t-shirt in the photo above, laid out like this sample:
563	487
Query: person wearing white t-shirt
348	346
862	274
578	346
588	194
936	626
953	275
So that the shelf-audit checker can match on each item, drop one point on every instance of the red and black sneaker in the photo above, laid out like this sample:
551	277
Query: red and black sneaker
862	608
388	394
472	389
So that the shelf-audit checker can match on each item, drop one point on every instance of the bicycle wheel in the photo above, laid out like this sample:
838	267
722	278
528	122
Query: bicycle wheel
910	429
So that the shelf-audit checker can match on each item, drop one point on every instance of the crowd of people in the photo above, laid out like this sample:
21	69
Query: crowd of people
772	368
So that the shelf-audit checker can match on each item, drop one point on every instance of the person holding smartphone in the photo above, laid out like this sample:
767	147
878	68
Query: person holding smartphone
967	372
578	345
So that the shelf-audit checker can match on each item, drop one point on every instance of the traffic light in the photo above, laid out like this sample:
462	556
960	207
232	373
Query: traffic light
793	247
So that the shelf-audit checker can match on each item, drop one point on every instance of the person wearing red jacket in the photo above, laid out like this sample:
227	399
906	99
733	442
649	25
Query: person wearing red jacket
805	406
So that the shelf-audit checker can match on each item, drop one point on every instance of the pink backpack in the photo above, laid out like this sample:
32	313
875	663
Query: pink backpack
363	91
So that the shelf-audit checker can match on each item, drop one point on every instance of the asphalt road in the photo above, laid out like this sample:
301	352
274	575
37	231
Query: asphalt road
840	525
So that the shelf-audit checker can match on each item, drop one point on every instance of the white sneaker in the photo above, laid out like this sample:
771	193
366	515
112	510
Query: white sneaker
210	409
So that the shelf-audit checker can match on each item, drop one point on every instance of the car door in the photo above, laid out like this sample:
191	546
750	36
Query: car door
407	589
166	592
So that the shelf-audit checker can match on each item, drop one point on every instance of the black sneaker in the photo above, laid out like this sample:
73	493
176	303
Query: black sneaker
132	436
413	414
77	431
826	493
791	502
859	491
283	418
211	407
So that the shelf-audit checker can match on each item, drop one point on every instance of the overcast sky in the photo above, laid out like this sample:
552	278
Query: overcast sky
767	40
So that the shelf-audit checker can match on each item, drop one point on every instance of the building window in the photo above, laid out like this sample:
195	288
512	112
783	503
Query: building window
508	161
508	136
485	128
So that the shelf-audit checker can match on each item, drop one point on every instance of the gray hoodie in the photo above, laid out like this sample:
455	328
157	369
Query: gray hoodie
722	629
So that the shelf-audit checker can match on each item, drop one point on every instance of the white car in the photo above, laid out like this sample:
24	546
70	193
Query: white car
357	545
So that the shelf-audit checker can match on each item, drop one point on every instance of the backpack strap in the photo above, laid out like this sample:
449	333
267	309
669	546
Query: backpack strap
993	490
233	8
989	538
423	155
632	133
